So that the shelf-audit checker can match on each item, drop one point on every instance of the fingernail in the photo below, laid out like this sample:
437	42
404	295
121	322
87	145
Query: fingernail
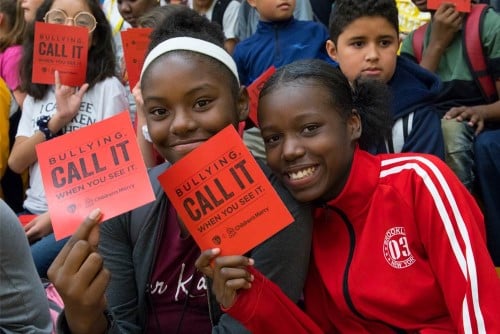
252	278
95	213
215	251
251	262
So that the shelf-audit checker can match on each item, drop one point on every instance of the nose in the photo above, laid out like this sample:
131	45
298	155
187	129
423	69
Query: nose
372	52
292	149
182	123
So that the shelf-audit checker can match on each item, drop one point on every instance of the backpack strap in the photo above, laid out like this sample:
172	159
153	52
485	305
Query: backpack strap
474	52
140	215
418	41
219	10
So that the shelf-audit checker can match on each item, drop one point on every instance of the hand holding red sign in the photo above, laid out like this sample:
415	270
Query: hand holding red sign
223	197
64	49
99	166
460	5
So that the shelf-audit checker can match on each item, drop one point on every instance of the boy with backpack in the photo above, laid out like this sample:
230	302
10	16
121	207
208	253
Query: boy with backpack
464	51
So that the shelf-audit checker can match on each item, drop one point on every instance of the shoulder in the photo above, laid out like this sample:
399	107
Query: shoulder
425	168
14	51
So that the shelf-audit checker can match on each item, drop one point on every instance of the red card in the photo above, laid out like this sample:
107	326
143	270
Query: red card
254	91
62	48
98	166
223	196
460	5
135	43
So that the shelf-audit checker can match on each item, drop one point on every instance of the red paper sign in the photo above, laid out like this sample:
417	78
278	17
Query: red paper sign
223	196
460	5
135	43
254	91
98	166
62	48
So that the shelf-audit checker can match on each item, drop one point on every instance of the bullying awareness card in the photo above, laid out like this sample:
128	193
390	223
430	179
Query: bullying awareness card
223	197
135	43
63	48
460	5
98	166
253	93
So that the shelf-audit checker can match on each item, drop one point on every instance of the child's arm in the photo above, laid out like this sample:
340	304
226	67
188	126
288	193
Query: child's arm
477	116
452	232
68	100
249	297
446	21
80	278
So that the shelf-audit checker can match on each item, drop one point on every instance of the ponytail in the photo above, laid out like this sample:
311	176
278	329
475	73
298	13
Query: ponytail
372	100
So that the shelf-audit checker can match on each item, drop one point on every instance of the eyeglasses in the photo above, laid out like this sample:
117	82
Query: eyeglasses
82	19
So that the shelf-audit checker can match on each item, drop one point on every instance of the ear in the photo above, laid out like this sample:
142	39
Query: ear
354	125
331	49
243	104
252	3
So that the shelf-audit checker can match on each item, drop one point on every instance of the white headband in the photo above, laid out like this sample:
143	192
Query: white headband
191	44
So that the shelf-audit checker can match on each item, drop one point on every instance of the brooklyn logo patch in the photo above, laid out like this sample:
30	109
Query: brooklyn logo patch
396	250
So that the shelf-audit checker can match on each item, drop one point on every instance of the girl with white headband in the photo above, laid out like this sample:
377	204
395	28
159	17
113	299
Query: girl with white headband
145	258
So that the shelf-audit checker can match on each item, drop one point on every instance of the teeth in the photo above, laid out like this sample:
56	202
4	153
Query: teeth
302	173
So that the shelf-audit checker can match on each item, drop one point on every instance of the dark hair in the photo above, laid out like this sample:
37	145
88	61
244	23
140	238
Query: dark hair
186	22
101	57
370	98
344	12
14	15
153	17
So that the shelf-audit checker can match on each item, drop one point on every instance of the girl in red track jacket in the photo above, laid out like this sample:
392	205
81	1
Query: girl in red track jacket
398	242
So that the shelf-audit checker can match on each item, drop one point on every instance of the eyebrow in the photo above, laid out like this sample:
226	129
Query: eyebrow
192	91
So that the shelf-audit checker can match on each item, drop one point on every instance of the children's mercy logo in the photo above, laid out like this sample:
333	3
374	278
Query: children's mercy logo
396	250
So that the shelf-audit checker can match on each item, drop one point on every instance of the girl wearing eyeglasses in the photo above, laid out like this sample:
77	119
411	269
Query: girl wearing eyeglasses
53	110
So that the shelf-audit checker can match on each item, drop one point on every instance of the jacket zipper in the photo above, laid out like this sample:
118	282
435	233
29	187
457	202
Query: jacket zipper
345	279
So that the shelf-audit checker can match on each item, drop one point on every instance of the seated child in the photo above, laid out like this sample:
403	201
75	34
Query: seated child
398	242
145	262
364	41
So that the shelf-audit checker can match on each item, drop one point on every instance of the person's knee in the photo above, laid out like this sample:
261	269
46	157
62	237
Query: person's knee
457	136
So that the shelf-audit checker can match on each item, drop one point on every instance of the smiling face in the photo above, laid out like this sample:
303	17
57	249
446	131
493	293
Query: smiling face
308	144
187	100
273	10
131	10
367	47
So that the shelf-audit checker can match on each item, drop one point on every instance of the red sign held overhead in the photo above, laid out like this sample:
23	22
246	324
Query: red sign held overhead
223	197
98	166
63	49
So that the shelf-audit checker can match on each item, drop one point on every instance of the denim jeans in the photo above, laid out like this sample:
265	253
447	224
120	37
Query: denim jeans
459	151
44	251
487	151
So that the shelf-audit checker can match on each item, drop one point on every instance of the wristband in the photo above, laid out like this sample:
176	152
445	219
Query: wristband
43	126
